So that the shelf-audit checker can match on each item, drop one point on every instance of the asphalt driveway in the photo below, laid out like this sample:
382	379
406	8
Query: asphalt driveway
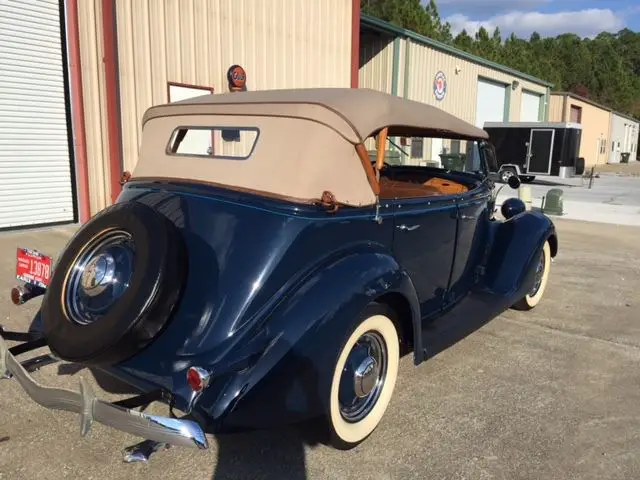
553	393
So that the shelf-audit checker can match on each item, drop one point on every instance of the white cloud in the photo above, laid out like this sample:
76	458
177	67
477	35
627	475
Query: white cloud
586	23
490	6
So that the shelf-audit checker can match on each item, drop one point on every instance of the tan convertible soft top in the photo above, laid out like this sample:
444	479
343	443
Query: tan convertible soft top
305	140
355	113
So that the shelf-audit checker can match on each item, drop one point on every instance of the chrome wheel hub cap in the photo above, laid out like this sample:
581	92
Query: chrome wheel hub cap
363	377
100	276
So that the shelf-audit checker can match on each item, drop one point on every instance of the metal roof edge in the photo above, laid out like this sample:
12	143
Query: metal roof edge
583	99
596	104
626	115
387	27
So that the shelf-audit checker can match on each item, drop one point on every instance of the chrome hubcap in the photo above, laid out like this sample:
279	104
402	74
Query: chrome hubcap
98	274
363	377
100	277
539	275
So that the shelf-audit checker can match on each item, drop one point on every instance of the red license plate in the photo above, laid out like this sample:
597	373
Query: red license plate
33	267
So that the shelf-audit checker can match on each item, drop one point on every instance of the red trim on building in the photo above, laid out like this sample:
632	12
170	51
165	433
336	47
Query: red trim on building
355	42
114	134
77	112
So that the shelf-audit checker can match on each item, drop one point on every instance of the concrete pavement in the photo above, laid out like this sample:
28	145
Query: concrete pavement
611	199
552	393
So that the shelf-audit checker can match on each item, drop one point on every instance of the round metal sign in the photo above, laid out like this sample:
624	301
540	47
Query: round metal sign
237	77
440	86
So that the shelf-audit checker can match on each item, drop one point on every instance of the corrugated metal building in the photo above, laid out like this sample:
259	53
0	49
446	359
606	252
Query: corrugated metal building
165	50
594	118
624	138
402	62
90	68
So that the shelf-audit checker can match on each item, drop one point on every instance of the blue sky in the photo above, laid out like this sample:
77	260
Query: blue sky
548	17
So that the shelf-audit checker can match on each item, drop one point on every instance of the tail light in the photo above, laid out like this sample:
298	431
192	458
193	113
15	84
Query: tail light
22	294
198	378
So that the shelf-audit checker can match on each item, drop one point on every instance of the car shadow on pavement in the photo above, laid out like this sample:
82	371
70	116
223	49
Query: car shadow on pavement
276	452
270	454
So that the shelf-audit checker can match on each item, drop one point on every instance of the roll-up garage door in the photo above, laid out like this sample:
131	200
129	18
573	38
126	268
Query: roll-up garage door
491	102
530	107
35	166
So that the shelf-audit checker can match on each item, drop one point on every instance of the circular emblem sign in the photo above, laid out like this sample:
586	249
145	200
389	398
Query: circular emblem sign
440	86
237	77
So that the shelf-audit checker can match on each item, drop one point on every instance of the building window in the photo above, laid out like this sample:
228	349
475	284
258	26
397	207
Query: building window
455	146
576	114
417	147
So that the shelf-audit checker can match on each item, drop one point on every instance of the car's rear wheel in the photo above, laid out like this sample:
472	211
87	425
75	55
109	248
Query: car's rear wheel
364	378
543	267
115	286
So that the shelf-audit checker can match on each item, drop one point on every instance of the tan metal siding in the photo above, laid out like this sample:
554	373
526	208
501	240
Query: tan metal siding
376	60
402	63
555	110
596	124
94	102
280	43
425	62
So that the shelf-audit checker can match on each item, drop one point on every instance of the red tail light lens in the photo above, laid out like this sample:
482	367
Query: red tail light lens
197	378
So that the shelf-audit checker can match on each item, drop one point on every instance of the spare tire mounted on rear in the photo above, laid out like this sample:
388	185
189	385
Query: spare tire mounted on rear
115	286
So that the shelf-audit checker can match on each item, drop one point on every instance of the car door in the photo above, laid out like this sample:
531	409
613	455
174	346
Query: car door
472	229
423	242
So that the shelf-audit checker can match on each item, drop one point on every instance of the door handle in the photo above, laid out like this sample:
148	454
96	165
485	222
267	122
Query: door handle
467	217
407	228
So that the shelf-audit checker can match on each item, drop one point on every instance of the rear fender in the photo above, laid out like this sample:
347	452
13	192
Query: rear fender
302	337
514	250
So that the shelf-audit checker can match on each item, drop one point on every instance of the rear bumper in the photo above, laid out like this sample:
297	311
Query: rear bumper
172	431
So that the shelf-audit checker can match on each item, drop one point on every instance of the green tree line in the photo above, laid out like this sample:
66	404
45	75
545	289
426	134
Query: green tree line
605	69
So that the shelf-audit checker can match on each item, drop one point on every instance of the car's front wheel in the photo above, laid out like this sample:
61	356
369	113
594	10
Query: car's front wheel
364	377
543	267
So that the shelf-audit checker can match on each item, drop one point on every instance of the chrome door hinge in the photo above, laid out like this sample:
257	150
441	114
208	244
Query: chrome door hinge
378	217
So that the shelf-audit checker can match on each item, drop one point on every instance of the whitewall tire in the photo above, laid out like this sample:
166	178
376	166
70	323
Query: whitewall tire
543	267
364	378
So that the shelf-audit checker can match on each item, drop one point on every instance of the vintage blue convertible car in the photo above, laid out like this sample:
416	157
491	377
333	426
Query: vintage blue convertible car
262	266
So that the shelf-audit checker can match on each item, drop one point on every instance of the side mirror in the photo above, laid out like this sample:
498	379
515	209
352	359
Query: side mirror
514	182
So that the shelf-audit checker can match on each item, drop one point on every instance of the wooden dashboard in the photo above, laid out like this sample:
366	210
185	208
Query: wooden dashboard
407	189
446	187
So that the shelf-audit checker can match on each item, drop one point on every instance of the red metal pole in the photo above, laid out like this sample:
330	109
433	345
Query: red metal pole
111	86
77	111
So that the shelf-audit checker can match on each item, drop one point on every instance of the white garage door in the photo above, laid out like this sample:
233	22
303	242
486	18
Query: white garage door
35	168
529	107
490	103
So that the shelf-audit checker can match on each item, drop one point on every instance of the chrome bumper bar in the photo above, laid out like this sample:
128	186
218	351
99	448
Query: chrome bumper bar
172	431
